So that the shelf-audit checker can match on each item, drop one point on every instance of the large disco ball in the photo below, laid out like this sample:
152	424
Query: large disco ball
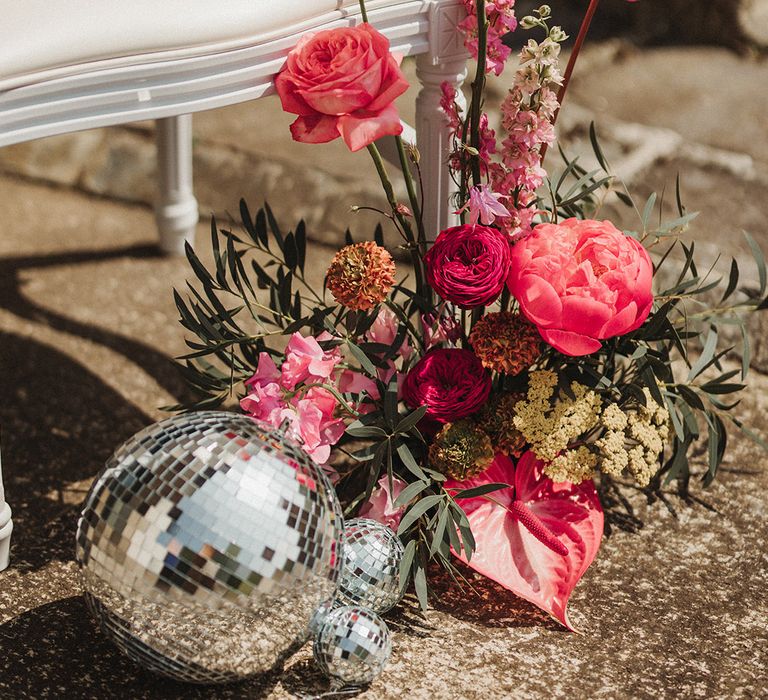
207	544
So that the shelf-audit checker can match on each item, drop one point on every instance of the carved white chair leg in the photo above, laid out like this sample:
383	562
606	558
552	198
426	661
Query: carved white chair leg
176	209
6	525
434	141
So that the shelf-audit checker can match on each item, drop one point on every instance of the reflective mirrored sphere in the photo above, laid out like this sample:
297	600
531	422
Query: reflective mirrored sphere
370	576
353	645
206	545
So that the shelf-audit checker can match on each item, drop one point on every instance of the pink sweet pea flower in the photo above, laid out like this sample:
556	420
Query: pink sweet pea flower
266	371
352	382
264	402
384	331
381	505
313	422
306	360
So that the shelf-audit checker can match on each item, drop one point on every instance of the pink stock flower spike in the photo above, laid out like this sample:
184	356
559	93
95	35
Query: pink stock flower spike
536	538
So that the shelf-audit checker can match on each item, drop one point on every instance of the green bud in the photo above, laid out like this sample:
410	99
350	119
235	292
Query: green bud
557	34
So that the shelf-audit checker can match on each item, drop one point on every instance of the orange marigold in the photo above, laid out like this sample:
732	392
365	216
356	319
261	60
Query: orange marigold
361	275
505	342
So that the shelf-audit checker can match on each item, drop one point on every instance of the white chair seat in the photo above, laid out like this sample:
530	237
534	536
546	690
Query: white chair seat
42	39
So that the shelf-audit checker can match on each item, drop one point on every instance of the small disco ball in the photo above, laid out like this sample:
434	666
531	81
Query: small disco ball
370	575
319	617
352	645
206	545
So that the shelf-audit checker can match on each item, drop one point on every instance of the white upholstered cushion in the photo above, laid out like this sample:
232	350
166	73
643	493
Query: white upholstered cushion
43	38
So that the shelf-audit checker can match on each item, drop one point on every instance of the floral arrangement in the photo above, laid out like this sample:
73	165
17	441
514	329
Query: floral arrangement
492	394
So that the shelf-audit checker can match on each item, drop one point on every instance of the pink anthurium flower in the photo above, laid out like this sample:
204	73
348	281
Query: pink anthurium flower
535	538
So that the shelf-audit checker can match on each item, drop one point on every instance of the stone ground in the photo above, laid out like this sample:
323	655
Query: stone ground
88	328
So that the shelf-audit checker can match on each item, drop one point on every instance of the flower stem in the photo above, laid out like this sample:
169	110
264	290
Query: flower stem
363	12
412	195
580	37
413	246
478	86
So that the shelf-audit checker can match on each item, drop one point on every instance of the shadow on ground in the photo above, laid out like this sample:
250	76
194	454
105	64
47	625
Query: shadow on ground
60	420
56	651
60	424
484	602
12	299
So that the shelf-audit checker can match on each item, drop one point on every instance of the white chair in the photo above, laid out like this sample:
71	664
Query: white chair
71	65
6	524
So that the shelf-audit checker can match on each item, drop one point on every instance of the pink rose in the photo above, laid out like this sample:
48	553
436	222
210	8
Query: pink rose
468	265
381	505
450	382
581	282
342	82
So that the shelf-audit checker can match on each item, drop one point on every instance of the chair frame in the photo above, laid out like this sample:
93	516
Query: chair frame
169	89
6	525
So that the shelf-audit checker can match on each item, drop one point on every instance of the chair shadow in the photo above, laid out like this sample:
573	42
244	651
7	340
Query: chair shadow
60	422
56	650
154	363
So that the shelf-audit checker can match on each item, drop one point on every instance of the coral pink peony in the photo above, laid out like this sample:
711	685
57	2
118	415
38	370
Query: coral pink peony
381	505
581	282
342	82
468	265
450	382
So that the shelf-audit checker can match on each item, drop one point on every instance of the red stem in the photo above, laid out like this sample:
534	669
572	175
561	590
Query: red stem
582	35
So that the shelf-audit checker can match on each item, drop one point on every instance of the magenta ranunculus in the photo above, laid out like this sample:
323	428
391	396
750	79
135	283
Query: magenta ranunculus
468	265
450	382
581	282
342	82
